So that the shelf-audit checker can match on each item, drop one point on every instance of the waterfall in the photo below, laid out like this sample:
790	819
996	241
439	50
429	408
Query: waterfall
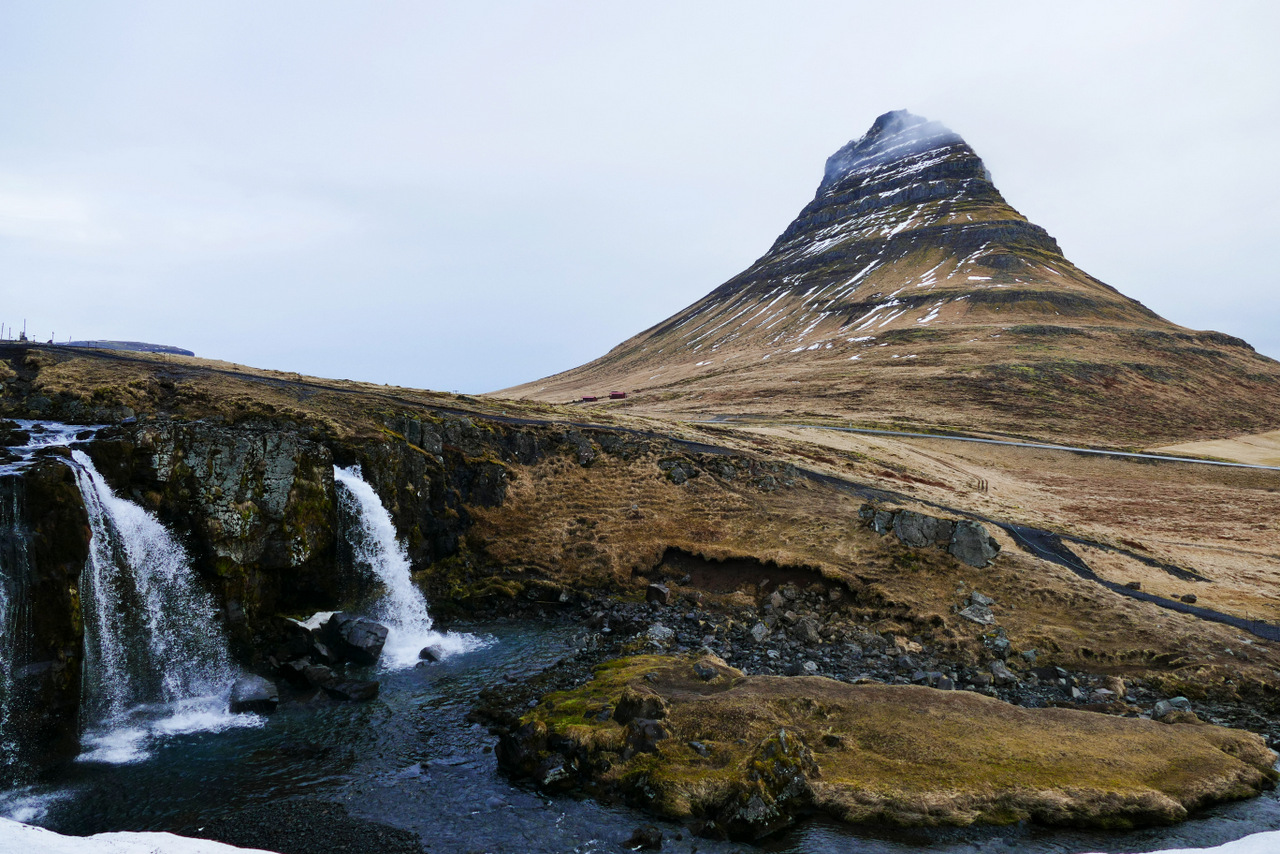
156	660
401	607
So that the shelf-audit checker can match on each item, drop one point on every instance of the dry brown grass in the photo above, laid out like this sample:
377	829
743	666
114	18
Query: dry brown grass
1261	449
575	525
193	388
902	754
1221	522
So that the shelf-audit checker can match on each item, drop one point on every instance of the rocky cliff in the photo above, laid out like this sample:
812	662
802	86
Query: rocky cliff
44	541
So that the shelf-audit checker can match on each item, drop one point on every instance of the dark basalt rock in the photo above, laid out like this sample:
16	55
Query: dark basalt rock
972	544
44	542
254	694
353	691
355	639
965	540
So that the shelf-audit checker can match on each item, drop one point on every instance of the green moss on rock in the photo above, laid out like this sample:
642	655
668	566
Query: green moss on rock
746	755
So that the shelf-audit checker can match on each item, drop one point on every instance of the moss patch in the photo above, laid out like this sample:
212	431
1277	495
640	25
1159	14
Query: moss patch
747	754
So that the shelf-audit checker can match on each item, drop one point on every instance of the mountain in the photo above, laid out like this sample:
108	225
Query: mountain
910	292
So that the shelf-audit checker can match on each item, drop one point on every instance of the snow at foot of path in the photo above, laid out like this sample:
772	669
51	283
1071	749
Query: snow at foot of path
1258	843
15	836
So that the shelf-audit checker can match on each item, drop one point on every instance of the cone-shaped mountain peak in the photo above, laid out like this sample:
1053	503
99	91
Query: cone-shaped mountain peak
908	288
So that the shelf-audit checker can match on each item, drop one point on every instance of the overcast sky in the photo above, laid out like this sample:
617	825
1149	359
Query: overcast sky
465	196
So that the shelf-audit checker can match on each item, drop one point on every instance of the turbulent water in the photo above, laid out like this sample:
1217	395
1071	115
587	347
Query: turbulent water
401	607
156	661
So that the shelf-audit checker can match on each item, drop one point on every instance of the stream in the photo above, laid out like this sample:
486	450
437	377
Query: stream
410	759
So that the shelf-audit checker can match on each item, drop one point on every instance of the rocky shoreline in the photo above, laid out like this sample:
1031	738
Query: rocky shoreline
804	633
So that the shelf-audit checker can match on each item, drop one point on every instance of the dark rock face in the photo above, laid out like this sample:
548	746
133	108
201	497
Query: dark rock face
903	161
254	694
972	544
356	639
257	505
353	690
657	594
44	542
965	540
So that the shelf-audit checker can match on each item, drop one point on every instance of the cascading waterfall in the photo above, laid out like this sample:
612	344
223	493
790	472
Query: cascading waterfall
401	608
156	660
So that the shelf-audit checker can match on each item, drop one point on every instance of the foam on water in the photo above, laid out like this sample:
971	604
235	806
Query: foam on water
29	803
401	608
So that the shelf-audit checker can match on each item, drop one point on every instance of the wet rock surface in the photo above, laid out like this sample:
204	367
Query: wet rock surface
254	694
354	638
44	542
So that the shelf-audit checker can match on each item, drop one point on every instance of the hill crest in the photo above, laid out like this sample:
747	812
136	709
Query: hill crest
908	259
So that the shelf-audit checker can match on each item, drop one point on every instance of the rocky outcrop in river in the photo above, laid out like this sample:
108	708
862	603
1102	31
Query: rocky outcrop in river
694	739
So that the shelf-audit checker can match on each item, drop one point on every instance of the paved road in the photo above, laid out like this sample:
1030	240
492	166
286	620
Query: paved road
1013	444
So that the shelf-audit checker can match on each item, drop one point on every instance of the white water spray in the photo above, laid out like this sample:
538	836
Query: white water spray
156	661
401	608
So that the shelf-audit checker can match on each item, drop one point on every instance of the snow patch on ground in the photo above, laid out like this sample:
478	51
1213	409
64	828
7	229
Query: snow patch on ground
1267	842
15	836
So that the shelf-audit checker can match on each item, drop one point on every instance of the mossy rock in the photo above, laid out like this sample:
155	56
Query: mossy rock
745	755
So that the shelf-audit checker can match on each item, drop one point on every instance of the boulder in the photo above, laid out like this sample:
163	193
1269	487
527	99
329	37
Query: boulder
1166	709
353	690
355	639
806	631
294	672
914	529
971	544
317	675
644	838
321	654
1001	674
705	671
642	735
661	634
979	614
657	594
431	652
254	694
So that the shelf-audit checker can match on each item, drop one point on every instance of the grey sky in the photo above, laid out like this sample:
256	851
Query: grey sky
471	195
